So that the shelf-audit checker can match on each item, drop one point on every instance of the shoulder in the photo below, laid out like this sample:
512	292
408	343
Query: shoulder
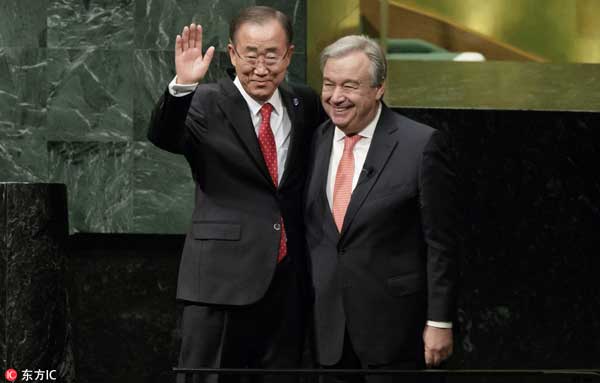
300	90
311	101
208	96
409	125
303	89
415	136
407	128
207	91
422	135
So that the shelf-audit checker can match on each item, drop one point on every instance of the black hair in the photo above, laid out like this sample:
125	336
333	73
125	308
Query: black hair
261	14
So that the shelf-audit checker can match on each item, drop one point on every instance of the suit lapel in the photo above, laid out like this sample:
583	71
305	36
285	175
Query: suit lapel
295	111
382	146
320	166
237	112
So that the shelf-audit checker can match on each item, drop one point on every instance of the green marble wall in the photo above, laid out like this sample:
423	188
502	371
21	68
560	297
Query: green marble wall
78	80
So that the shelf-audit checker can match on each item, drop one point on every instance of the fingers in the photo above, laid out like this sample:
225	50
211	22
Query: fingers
193	32
438	344
434	357
191	37
178	45
428	358
208	56
198	42
185	38
204	64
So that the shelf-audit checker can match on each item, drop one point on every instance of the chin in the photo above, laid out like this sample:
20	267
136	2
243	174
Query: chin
262	96
263	93
339	120
339	124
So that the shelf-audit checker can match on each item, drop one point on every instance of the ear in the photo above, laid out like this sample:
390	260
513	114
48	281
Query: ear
290	52
232	56
380	92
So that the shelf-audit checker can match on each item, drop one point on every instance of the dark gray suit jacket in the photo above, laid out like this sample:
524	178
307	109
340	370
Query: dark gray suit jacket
392	267
230	250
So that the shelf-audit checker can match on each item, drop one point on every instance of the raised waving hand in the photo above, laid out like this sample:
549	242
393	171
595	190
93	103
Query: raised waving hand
190	65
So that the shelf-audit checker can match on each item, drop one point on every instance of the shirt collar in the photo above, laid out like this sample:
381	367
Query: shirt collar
254	105
367	132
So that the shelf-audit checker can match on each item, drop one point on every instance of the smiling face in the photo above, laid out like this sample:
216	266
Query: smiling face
348	96
264	43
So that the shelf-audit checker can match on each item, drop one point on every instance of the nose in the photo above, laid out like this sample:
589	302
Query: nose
337	96
261	69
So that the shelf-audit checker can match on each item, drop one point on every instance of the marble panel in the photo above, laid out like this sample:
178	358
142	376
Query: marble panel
154	70
37	326
297	69
90	95
98	176
23	93
157	23
90	23
23	160
163	191
3	280
23	23
296	10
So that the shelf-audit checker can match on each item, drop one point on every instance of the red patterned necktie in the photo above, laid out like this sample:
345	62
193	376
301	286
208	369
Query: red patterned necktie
342	189
266	141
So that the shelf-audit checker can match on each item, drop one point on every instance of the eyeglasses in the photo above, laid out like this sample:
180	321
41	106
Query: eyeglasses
270	59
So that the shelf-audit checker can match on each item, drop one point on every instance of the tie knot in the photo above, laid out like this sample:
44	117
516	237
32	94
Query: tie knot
265	111
350	141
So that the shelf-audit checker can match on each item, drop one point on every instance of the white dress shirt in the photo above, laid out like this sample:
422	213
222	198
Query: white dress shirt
280	121
360	151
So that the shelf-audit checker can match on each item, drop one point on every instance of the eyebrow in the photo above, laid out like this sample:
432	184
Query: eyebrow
255	49
327	79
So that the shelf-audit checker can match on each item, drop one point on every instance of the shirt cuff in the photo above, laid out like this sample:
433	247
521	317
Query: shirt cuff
180	90
439	324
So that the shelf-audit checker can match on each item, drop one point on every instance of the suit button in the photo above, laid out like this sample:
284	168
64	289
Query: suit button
277	226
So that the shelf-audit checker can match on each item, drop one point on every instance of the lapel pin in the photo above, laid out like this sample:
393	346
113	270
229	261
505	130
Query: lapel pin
296	101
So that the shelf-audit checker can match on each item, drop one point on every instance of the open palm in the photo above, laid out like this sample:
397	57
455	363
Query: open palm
190	65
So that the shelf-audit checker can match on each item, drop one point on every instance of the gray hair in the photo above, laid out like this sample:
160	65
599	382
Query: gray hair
359	43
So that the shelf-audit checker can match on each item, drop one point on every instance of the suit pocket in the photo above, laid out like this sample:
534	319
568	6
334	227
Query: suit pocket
217	230
406	284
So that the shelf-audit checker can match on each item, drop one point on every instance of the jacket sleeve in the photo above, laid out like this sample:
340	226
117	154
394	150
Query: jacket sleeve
167	126
439	214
